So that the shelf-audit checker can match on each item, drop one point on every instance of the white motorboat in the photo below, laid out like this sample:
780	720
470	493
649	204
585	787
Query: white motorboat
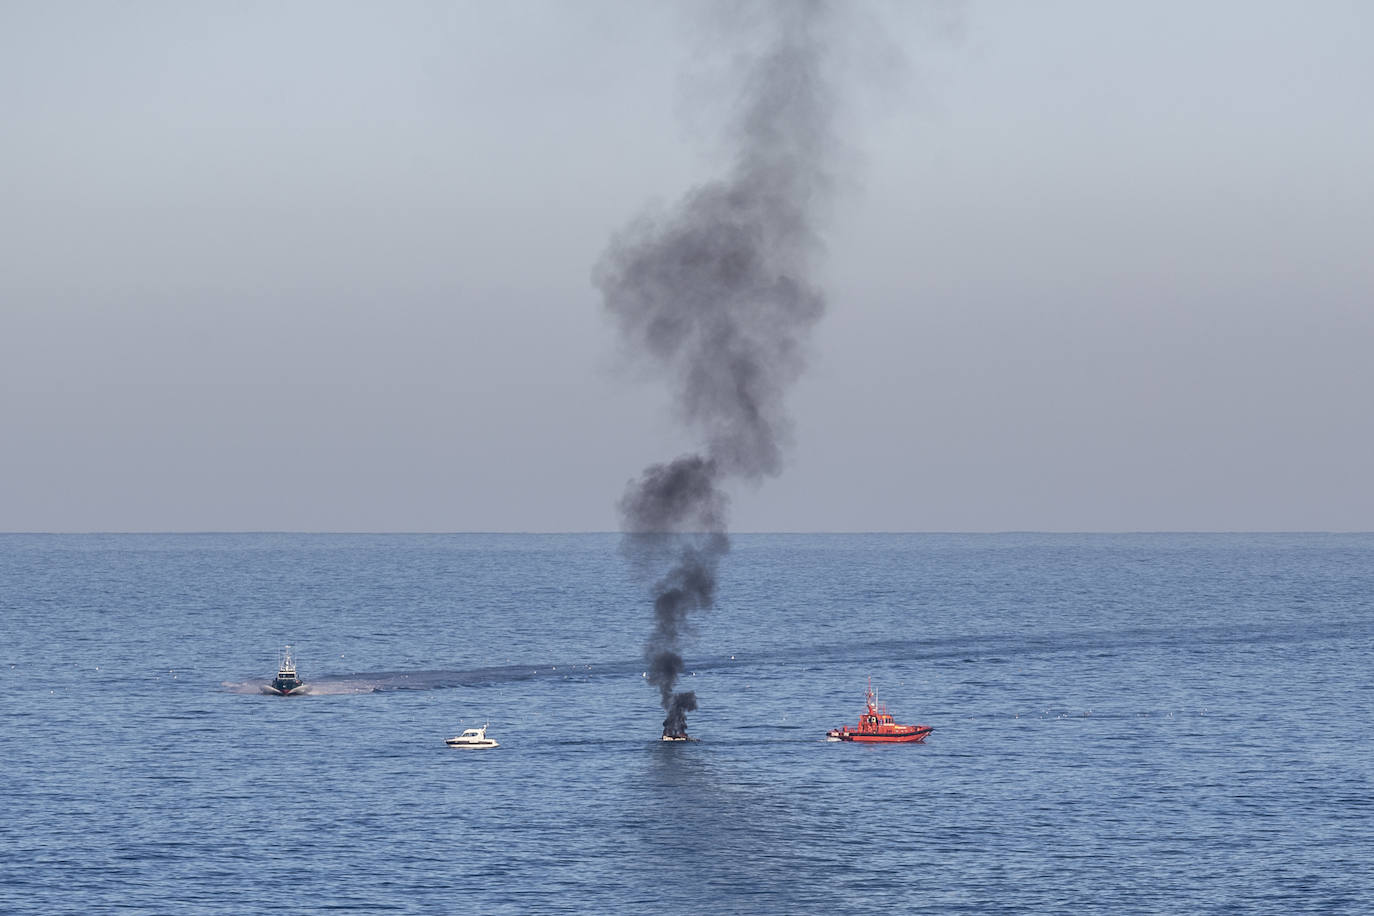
472	737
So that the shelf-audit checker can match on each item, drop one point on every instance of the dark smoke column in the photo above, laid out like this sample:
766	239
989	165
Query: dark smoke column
718	293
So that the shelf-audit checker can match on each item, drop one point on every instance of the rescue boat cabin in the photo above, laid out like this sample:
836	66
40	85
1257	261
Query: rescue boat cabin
876	718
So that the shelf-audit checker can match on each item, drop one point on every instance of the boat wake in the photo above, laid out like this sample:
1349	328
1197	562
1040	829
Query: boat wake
259	686
441	679
956	648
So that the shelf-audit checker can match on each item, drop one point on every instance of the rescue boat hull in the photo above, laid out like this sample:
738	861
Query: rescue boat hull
918	735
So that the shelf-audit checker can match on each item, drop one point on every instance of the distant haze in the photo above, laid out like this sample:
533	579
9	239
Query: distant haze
326	266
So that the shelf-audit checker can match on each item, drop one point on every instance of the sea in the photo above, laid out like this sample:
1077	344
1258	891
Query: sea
1123	723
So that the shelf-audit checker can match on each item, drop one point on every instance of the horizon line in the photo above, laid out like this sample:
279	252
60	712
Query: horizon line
490	532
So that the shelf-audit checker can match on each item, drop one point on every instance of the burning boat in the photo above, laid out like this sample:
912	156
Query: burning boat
877	727
286	683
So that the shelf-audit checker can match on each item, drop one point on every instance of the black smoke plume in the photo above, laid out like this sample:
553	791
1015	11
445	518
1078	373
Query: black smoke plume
719	292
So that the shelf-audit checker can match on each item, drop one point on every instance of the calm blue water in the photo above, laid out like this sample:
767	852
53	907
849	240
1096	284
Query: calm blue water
1138	723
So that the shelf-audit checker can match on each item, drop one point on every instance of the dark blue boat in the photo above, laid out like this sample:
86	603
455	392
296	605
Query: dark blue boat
286	683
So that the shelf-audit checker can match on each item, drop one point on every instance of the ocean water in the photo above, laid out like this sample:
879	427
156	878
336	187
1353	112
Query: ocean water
1123	723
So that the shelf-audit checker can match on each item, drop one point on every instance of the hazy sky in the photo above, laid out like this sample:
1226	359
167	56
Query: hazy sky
326	266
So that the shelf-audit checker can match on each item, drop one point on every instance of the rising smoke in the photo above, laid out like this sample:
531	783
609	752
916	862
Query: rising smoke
719	293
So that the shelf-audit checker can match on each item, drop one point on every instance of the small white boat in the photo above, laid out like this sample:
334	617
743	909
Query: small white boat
472	737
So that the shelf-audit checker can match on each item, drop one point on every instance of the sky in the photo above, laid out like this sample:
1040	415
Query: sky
327	266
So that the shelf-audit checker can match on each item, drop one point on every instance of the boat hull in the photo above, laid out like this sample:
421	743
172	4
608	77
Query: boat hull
869	738
451	742
284	690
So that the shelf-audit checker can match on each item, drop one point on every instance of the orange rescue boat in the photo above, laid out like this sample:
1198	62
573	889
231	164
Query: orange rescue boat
876	726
